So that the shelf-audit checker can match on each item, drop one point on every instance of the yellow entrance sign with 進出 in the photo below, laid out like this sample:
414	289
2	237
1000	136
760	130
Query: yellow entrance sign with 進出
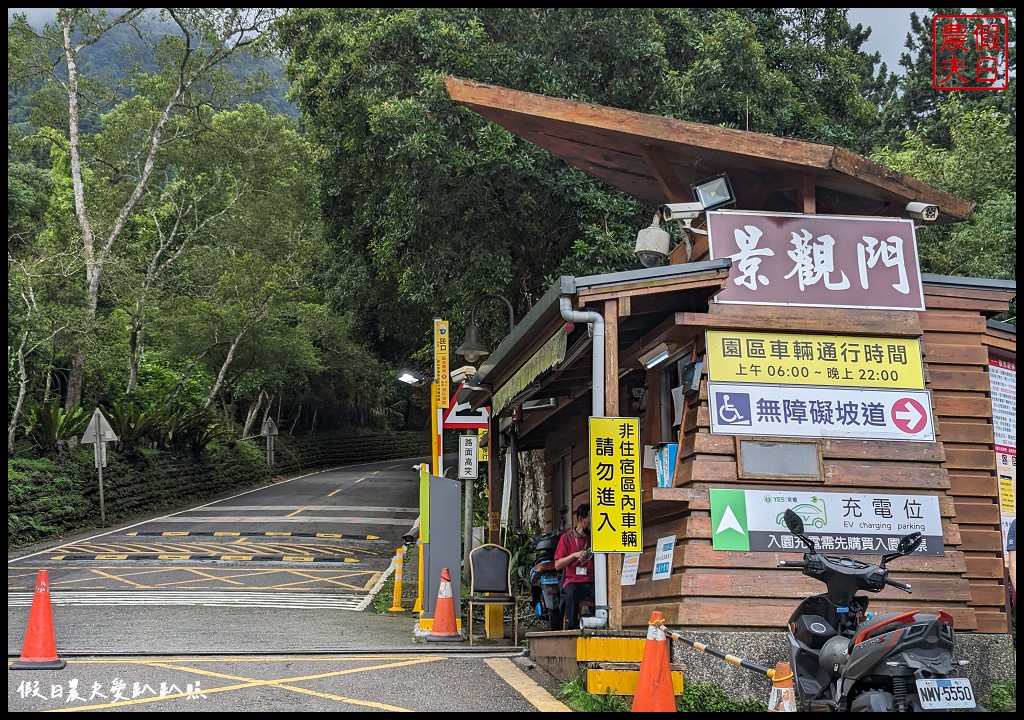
829	360
615	522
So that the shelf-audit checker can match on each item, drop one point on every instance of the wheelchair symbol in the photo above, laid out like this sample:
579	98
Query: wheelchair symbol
733	408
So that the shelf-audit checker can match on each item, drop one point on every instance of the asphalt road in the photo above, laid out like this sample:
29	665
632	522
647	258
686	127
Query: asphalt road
260	601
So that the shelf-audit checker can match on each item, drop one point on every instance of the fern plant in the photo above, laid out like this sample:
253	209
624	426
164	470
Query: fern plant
53	429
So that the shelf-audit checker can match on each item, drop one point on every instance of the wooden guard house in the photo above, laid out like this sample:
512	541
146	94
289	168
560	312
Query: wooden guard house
541	382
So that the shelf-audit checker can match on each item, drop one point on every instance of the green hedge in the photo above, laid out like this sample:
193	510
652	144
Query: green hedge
46	499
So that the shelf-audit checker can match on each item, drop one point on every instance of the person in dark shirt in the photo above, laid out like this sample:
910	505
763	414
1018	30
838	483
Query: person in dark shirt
573	556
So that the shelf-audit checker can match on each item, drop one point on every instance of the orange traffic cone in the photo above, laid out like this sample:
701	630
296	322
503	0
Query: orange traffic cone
782	698
39	650
444	628
654	683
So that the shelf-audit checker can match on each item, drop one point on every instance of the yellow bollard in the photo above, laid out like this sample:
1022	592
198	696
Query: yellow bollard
396	597
418	606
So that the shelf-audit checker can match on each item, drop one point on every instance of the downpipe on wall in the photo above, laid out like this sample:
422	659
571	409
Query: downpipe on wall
595	322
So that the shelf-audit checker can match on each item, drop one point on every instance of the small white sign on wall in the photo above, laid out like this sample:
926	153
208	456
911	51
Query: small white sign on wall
630	564
663	558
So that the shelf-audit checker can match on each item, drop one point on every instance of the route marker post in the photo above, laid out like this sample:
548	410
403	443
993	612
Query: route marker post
99	433
270	431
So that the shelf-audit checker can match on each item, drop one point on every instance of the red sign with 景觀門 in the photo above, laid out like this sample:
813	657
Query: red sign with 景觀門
817	260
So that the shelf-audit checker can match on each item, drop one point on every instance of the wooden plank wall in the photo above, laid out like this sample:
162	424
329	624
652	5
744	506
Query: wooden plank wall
956	358
746	590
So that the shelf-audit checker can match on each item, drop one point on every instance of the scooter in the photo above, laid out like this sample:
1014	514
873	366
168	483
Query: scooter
845	659
545	581
545	586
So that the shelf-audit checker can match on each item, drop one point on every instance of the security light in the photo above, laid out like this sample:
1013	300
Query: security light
715	192
654	357
411	377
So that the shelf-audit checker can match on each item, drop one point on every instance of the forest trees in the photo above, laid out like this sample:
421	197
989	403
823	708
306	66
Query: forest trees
170	242
428	206
160	233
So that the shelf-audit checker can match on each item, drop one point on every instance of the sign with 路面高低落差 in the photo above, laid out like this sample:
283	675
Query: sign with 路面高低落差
817	260
838	523
615	520
803	359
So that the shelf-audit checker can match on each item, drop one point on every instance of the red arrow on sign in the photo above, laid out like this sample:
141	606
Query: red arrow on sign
908	414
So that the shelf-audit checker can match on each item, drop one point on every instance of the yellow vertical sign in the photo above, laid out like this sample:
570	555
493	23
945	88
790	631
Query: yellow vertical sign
481	434
615	522
441	363
439	398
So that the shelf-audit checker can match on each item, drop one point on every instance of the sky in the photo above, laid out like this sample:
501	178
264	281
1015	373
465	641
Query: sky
889	28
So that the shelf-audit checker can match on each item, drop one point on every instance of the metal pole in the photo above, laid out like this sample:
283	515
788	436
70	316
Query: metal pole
435	449
98	451
467	526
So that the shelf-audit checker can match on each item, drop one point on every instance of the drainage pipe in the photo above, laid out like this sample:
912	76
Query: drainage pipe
596	322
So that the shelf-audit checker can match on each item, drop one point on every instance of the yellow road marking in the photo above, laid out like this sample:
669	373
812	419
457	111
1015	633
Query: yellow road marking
239	541
525	685
296	558
173	557
246	683
332	493
297	511
235	557
329	535
226	534
271	533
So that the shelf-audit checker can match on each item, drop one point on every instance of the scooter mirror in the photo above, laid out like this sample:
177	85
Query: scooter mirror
909	543
794	522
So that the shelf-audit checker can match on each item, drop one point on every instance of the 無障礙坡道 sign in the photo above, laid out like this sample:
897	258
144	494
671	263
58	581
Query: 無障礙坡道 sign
820	412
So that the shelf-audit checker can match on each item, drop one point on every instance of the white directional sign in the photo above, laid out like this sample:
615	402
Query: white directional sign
269	426
99	430
462	414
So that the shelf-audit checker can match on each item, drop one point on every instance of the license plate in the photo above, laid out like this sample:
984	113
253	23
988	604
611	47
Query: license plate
945	693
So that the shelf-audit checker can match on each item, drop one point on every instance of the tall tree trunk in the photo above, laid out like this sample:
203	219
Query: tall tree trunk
22	389
134	355
226	364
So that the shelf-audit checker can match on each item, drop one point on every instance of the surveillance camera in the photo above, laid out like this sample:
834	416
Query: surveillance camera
681	211
923	211
408	539
466	372
652	244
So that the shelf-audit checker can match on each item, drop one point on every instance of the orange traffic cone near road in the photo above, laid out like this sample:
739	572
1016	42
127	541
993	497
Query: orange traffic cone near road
782	698
654	683
39	651
444	628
